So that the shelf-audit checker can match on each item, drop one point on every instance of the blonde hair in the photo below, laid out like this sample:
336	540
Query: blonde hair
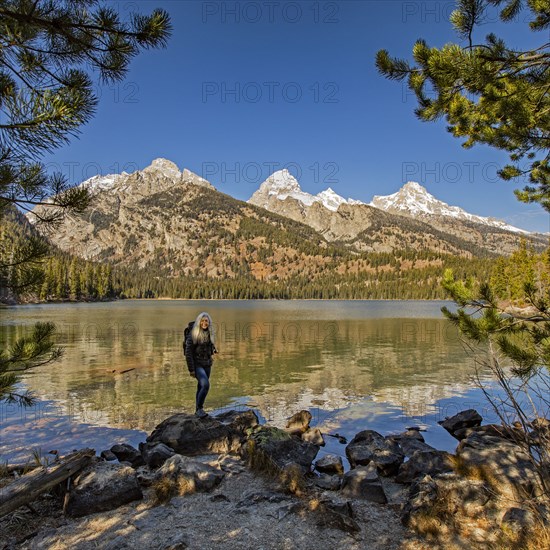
198	335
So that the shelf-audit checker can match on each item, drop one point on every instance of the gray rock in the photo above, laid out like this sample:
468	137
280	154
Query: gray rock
369	446
465	419
231	464
450	494
108	455
155	454
495	430
314	435
328	482
330	464
299	422
421	463
105	487
190	473
337	515
191	436
505	465
364	482
127	453
272	448
410	442
518	520
145	476
118	543
239	421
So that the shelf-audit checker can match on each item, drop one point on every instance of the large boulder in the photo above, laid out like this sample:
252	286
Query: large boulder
105	486
239	420
192	436
423	463
443	497
369	446
273	448
410	442
363	482
328	482
506	466
465	419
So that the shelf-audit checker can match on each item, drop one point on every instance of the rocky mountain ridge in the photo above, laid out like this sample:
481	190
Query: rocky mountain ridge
175	222
337	218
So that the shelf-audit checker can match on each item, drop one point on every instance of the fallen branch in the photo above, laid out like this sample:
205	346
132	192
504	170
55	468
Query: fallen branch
27	488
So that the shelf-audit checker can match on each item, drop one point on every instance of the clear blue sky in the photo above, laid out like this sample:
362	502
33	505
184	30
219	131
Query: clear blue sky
248	87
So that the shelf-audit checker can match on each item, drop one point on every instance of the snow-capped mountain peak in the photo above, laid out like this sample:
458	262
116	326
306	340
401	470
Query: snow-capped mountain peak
281	185
280	182
158	169
164	167
415	201
331	199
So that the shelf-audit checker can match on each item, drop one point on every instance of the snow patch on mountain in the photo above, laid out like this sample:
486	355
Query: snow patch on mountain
101	183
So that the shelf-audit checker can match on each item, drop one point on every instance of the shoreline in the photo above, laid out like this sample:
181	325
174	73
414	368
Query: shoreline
238	300
267	487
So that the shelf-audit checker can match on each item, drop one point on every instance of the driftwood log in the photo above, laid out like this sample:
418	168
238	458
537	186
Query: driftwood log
30	486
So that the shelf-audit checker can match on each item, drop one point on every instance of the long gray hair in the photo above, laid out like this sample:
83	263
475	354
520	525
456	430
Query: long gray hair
198	335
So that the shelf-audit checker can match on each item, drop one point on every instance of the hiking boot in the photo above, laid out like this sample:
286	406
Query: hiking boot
200	413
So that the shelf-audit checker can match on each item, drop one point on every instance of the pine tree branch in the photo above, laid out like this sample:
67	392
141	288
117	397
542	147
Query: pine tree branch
29	19
18	74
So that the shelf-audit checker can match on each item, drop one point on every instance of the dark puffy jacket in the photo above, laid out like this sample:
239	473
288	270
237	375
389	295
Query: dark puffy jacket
198	355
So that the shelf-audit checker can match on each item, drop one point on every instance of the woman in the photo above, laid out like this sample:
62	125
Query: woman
199	349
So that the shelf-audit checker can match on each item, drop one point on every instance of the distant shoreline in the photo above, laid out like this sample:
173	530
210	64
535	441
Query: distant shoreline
75	302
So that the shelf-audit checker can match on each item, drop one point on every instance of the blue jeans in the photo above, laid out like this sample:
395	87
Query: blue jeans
203	384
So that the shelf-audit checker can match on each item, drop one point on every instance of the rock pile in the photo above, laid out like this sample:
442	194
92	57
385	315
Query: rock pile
466	497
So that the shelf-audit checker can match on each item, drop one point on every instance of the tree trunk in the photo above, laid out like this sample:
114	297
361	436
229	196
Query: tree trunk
30	486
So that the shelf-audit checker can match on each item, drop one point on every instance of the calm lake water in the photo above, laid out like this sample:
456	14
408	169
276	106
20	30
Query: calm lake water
382	365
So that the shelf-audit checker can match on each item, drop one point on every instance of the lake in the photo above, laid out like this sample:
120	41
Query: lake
382	365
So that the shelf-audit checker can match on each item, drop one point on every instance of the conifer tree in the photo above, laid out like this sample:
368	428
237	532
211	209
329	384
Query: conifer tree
489	92
49	52
493	94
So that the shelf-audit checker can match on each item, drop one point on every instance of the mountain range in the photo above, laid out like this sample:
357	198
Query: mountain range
177	223
411	200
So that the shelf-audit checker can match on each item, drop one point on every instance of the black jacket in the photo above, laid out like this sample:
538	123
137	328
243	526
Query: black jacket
198	355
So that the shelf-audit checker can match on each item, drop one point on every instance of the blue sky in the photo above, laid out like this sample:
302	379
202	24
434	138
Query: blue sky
245	88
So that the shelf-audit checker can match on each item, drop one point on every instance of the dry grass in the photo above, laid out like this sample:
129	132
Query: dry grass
292	480
429	526
291	477
165	488
476	473
536	538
